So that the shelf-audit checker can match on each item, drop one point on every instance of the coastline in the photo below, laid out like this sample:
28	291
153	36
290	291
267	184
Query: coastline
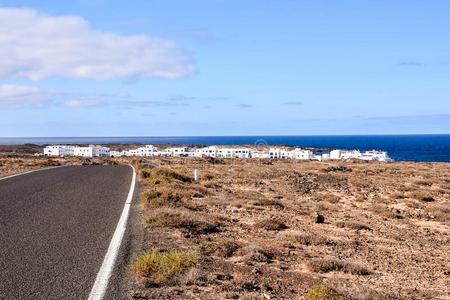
418	148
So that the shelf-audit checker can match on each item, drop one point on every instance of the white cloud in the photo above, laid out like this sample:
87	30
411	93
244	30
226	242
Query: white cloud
37	46
84	102
13	96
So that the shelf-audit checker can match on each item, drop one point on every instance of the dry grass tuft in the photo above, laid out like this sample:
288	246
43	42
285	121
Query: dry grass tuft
179	219
274	224
308	239
268	202
353	225
439	212
422	196
386	212
157	198
254	253
337	169
329	265
224	248
161	268
324	292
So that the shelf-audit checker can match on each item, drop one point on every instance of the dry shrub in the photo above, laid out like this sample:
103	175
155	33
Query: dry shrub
312	239
183	220
360	182
439	212
398	195
405	188
337	169
161	268
213	185
268	202
224	248
368	294
332	181
324	292
331	198
353	225
422	196
275	224
414	204
164	174
254	253
327	206
329	265
386	212
423	182
208	177
327	197
146	173
157	198
173	175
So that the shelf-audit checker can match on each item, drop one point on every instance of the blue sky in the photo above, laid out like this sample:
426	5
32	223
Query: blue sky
156	68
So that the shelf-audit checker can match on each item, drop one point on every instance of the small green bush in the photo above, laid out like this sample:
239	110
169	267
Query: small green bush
324	292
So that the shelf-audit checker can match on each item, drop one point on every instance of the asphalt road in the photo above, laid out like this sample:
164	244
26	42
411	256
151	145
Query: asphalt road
55	229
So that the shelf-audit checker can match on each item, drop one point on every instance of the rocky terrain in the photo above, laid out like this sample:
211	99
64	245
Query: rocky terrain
261	229
266	229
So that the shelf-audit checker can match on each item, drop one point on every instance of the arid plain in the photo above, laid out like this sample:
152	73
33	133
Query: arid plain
267	229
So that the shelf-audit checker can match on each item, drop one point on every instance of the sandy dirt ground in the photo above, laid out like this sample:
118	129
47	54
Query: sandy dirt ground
265	229
297	230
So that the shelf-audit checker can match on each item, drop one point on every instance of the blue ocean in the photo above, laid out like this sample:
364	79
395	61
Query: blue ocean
423	148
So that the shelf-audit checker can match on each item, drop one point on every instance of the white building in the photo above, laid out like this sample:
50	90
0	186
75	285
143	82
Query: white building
113	153
277	153
210	151
260	154
325	156
163	153
88	151
178	151
146	151
59	150
274	153
101	151
375	155
345	154
233	153
302	154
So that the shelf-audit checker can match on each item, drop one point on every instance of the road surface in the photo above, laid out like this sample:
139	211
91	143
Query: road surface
55	229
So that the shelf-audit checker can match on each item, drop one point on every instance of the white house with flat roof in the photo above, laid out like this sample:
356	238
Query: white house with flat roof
260	154
59	150
122	153
87	151
375	155
345	154
302	154
101	151
233	153
146	151
178	151
210	151
279	153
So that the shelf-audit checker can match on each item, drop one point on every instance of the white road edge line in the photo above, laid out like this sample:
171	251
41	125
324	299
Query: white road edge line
28	172
101	282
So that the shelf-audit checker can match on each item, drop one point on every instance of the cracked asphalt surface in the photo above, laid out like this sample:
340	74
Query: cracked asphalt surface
55	229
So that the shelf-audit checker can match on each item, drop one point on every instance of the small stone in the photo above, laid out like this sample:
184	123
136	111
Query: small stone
177	291
319	219
224	277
